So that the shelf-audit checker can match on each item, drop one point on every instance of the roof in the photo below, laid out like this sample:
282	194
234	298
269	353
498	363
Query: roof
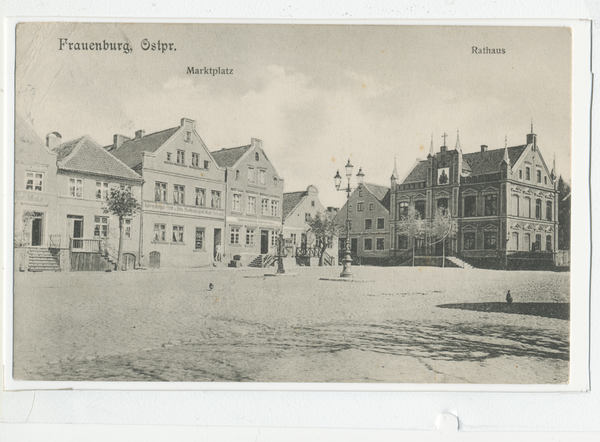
489	161
381	193
86	156
131	151
418	174
291	200
230	156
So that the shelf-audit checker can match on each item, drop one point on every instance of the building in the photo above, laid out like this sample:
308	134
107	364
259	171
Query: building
297	208
253	202
183	195
504	202
368	210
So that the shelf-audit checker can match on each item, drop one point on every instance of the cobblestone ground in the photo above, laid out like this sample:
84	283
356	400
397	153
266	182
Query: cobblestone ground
168	326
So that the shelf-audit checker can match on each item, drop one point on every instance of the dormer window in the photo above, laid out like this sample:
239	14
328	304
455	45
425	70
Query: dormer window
188	137
256	156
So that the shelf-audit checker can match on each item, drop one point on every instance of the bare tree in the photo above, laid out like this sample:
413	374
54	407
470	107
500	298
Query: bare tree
442	226
412	226
324	229
122	204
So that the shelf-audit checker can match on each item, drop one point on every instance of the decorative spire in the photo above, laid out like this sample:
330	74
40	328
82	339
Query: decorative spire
457	147
506	158
531	125
553	173
431	152
395	172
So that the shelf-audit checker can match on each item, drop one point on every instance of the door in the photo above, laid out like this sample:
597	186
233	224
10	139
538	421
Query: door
264	242
36	231
353	246
154	262
217	249
78	228
128	262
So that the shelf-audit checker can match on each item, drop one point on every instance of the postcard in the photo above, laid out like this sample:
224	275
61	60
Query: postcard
233	205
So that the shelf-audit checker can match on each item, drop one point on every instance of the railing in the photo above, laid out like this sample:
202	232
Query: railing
55	241
268	260
109	251
328	259
303	252
93	245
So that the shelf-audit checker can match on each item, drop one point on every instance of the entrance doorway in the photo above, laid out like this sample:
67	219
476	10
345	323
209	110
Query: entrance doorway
75	226
217	248
264	242
36	229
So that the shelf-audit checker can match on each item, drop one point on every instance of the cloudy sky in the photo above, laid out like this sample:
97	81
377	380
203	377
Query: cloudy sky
315	95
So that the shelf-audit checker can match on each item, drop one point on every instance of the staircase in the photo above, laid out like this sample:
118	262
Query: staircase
262	261
256	262
41	260
459	262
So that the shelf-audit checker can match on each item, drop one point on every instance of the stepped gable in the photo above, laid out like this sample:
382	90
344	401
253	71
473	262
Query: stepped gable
291	201
131	151
228	157
382	193
86	156
482	163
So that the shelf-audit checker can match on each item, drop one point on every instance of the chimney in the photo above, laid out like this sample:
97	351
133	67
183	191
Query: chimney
532	139
118	141
53	139
484	147
139	134
256	142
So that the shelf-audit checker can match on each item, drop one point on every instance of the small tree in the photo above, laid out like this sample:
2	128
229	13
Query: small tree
122	204
412	226
324	229
441	227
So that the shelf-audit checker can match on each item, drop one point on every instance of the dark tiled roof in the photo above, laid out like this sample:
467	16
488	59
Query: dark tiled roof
291	201
130	152
418	174
86	156
228	157
489	161
379	192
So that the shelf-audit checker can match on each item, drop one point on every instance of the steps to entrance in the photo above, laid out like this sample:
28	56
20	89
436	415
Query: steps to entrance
41	260
459	262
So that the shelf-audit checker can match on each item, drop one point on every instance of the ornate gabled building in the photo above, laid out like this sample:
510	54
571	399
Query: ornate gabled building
504	202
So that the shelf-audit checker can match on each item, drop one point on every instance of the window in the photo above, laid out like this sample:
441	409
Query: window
195	159
538	209
188	136
515	203
180	156
402	242
125	188
127	228
491	205
274	239
380	223
527	242
178	234
470	206
469	241
402	211
420	208
515	241
168	156
160	191
101	190
251	204
549	210
200	197
379	244
370	207
312	203
199	239
237	174
34	181
256	156
262	176
160	232
275	181
206	164
293	236
215	199
490	240
442	203
537	245
539	176
274	207
235	235
545	180
528	174
76	187
368	245
307	217
360	207
237	203
527	207
520	174
249	237
548	243
251	176
349	207
368	223
265	206
360	193
100	226
178	194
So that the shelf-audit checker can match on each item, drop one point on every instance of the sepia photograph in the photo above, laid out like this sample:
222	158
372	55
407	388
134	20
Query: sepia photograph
292	203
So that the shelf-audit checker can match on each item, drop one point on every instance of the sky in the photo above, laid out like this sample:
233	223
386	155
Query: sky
317	95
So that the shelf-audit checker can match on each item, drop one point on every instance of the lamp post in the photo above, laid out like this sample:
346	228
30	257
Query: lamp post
347	260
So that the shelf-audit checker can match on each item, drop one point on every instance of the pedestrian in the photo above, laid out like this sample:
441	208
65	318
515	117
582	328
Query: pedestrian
218	252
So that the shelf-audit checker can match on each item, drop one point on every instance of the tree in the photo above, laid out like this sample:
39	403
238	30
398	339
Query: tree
441	227
412	226
564	214
122	204
323	227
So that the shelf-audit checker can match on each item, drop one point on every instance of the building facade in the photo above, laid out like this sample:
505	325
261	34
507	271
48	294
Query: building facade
253	202
182	219
503	201
368	210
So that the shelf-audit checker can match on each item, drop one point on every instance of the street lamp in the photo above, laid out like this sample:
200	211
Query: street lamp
347	260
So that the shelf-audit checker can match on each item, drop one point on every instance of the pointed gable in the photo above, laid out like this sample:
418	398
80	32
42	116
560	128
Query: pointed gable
84	155
291	200
381	193
230	156
131	151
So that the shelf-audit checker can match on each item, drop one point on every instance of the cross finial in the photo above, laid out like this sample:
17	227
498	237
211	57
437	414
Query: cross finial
444	137
532	125
505	141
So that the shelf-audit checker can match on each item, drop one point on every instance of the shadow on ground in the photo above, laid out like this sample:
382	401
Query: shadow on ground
553	310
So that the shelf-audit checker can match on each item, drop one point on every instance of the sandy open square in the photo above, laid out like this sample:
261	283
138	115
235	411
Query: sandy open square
168	326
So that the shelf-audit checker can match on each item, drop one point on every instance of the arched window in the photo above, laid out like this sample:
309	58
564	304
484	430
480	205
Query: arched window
237	174
538	209
549	210
402	211
528	174
548	243
256	156
539	176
